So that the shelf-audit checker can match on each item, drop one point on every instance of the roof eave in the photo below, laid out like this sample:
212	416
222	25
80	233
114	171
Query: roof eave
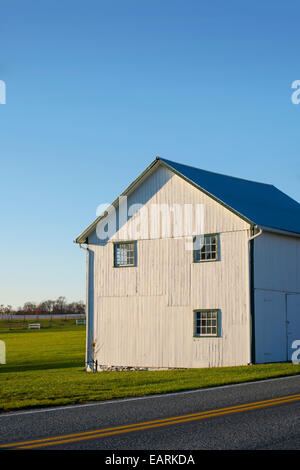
279	231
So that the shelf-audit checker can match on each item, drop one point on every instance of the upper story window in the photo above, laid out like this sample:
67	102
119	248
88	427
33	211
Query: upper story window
206	248
124	254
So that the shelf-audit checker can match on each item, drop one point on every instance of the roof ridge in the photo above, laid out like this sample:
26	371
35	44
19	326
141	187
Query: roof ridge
264	205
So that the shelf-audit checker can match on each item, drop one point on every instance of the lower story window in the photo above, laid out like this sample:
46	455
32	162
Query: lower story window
206	323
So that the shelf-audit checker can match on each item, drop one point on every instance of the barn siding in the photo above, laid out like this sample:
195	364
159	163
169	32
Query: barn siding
143	315
276	276
277	263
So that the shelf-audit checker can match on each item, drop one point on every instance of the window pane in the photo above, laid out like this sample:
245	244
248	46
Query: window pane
196	256
205	248
124	254
206	323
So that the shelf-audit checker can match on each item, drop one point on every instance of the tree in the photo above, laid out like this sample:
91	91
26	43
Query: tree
29	308
47	307
59	306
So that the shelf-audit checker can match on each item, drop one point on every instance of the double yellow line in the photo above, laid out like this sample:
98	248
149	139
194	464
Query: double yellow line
96	434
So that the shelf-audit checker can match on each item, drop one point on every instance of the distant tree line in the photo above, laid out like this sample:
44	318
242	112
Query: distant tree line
49	307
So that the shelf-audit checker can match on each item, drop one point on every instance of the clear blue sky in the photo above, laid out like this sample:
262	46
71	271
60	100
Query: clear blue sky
97	89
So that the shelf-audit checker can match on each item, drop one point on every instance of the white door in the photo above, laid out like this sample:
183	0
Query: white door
270	326
293	322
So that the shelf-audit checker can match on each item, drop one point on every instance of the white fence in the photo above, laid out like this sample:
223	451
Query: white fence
42	317
34	325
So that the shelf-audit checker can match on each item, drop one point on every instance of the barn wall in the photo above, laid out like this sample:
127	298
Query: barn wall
276	279
277	263
143	315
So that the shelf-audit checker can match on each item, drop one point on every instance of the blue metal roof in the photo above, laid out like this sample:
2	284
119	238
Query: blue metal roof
262	204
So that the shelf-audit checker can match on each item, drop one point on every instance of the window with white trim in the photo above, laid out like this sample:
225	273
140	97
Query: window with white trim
206	323
206	248
124	254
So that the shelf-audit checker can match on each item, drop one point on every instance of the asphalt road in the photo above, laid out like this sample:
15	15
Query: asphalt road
259	415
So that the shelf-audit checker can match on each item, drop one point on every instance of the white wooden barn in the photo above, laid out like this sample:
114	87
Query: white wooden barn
189	268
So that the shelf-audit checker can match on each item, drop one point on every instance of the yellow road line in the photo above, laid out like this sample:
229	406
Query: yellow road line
68	438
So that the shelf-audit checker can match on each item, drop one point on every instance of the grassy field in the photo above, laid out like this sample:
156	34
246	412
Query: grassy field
46	367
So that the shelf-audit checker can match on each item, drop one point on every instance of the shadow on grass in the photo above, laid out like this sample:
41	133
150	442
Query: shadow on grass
40	366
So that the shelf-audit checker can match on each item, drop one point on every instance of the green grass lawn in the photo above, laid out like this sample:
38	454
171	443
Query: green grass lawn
46	367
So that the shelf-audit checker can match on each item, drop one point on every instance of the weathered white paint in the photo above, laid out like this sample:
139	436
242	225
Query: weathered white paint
277	289
143	316
277	263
